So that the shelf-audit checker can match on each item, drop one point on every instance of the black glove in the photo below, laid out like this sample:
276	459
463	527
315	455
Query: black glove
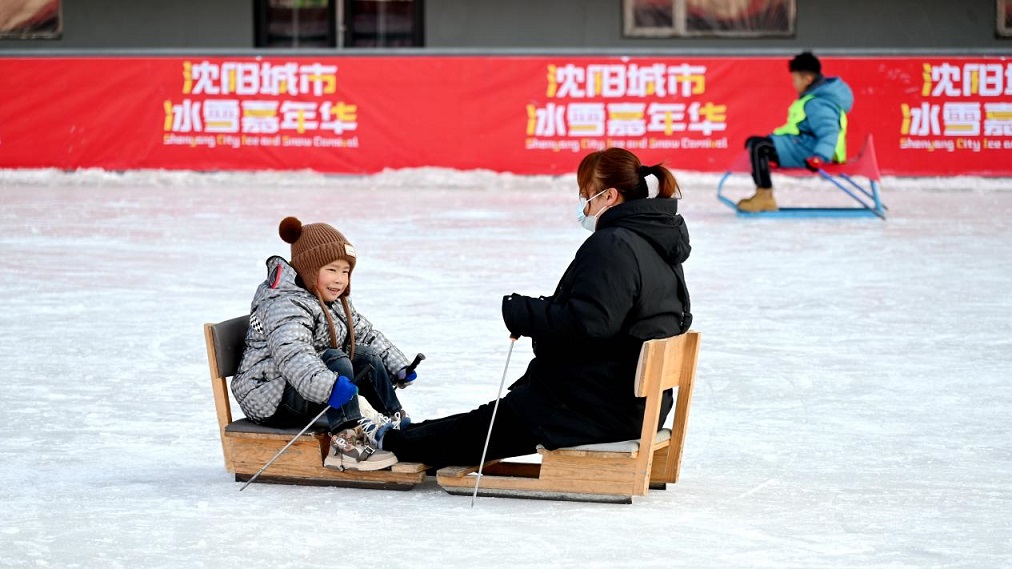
513	306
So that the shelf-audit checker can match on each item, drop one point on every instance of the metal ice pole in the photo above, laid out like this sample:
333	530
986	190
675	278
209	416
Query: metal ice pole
495	408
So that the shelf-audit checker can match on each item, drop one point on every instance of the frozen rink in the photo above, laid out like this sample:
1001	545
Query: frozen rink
852	408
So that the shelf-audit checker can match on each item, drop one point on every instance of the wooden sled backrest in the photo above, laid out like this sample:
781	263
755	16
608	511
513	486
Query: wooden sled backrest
225	342
666	363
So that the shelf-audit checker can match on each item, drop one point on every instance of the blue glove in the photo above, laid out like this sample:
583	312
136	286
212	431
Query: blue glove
342	393
404	377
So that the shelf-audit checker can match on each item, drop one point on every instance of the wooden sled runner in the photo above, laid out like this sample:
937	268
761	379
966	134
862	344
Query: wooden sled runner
610	472
247	446
868	199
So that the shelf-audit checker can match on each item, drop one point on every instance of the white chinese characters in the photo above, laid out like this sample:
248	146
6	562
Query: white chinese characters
259	98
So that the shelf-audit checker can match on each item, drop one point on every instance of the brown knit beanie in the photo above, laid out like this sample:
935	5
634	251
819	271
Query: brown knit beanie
315	246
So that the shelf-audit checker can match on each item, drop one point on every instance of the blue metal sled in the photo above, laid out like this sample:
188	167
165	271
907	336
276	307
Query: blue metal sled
868	198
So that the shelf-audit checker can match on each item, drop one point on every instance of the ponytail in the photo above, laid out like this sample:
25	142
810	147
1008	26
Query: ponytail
667	186
620	169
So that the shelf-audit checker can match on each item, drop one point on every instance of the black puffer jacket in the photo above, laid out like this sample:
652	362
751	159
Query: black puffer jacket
624	287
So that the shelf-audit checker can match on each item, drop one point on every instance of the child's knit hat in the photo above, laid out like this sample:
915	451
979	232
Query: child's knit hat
805	61
315	246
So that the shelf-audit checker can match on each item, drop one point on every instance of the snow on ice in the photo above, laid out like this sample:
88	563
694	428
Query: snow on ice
852	403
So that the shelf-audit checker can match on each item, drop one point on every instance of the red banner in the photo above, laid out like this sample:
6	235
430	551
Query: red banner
528	115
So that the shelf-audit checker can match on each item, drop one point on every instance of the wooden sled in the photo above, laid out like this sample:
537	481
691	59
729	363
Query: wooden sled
610	472
248	446
842	176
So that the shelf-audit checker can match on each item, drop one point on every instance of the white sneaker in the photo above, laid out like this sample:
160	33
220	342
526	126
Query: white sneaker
400	419
350	451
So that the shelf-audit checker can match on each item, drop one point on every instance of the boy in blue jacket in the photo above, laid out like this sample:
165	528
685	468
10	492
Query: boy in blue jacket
815	132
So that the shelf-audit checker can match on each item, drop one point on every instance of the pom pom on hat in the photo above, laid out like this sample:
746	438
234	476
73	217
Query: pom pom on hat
290	229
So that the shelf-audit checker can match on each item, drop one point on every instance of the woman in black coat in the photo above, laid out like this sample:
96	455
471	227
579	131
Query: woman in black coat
624	286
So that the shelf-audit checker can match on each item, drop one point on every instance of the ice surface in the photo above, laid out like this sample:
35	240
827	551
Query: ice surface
852	407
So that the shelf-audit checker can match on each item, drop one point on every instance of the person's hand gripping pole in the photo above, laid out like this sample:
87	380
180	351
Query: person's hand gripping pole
406	375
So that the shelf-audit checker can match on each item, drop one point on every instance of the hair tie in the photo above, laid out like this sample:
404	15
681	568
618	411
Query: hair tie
644	171
642	187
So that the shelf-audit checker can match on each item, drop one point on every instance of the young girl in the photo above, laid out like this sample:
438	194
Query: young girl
307	347
624	286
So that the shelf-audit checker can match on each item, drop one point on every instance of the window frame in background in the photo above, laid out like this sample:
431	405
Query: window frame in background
1003	19
675	18
31	20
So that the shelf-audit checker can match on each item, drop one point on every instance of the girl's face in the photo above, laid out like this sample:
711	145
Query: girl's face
333	279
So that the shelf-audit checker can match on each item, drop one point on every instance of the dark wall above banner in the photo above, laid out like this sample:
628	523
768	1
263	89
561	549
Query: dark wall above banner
720	27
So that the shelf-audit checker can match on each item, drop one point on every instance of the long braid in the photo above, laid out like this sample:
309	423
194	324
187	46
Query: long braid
330	322
351	327
332	328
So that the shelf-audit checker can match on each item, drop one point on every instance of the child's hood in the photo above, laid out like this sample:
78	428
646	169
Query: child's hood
281	275
835	90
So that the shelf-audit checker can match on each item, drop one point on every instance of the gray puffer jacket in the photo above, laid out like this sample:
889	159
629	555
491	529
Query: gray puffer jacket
287	335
